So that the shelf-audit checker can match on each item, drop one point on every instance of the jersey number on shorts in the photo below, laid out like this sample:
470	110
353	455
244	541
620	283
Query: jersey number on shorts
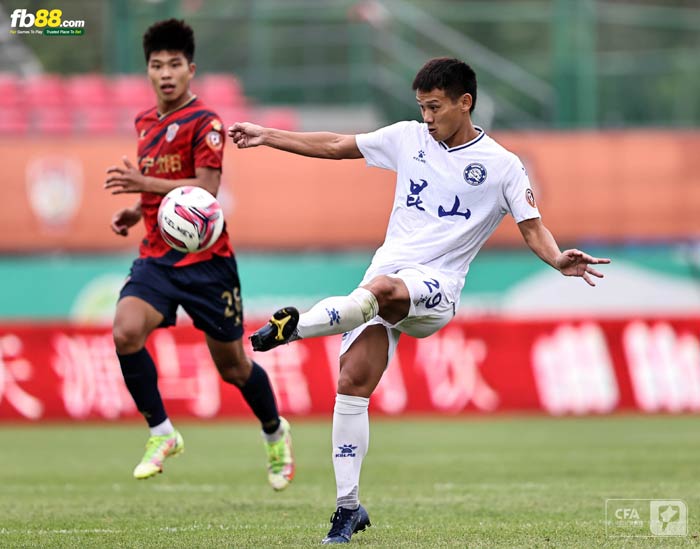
434	300
233	304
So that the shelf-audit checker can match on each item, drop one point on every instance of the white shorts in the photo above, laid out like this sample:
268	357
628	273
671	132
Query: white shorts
434	301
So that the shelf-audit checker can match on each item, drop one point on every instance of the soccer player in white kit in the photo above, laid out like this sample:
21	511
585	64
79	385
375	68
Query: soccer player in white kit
454	184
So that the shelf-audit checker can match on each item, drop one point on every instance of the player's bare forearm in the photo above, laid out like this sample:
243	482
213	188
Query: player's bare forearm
540	240
315	144
569	262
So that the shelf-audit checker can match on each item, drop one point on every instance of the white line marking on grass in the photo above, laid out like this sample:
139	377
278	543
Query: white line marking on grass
71	531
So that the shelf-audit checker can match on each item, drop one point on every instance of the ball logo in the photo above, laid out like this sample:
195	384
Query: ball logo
475	174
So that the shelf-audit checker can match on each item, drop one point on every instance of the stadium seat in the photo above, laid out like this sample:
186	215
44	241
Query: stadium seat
87	90
124	120
283	118
10	89
44	90
95	120
229	115
219	90
50	120
131	91
13	120
131	94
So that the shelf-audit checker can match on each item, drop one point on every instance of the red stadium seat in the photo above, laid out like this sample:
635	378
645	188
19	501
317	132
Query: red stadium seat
229	115
87	90
13	120
282	118
219	90
49	120
96	120
10	89
132	92
44	90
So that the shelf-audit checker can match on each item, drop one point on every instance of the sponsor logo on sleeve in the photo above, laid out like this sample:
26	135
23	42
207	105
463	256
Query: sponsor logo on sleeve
214	141
530	197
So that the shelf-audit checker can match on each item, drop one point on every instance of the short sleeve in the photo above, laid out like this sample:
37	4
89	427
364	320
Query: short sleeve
381	148
209	143
518	193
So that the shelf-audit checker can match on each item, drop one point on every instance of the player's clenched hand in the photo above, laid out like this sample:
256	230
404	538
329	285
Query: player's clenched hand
245	134
125	218
126	179
578	263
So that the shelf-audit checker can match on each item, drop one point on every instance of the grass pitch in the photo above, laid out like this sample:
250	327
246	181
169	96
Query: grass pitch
474	482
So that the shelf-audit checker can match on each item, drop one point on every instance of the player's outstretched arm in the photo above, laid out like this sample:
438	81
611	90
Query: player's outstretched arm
569	262
316	144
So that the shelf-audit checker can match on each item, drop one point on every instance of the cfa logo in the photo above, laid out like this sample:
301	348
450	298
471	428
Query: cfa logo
627	514
43	18
646	517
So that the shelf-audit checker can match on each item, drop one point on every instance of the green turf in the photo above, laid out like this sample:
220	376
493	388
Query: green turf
504	482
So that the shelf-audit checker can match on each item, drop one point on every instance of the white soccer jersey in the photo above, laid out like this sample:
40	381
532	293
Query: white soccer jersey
447	201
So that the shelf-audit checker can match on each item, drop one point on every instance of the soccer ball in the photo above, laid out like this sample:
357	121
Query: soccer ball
190	219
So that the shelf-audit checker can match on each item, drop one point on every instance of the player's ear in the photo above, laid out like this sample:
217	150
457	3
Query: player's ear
466	102
193	68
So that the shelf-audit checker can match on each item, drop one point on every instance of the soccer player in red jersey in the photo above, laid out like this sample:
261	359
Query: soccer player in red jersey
180	142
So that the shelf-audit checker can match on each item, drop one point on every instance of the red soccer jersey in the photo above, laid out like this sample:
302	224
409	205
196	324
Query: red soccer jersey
172	147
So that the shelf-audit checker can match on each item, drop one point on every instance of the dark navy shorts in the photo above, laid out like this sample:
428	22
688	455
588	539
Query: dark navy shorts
209	292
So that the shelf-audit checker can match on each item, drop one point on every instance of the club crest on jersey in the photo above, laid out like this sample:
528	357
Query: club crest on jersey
475	174
172	132
530	197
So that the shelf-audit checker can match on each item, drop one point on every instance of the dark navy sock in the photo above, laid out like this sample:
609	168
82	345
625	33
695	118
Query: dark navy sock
257	392
141	378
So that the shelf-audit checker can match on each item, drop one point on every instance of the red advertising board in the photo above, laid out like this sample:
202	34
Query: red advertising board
593	366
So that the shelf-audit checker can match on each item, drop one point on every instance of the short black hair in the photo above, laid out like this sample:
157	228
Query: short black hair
169	35
452	76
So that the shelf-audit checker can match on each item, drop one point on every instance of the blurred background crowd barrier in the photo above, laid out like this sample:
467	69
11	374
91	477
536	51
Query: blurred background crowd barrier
599	98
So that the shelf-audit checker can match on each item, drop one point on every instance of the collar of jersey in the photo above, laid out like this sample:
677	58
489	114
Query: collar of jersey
469	144
162	116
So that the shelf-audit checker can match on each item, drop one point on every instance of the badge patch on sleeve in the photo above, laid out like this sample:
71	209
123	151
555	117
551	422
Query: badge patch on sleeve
530	197
214	140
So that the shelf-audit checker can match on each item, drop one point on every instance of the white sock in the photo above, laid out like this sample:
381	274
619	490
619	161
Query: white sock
274	437
350	443
165	428
336	315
